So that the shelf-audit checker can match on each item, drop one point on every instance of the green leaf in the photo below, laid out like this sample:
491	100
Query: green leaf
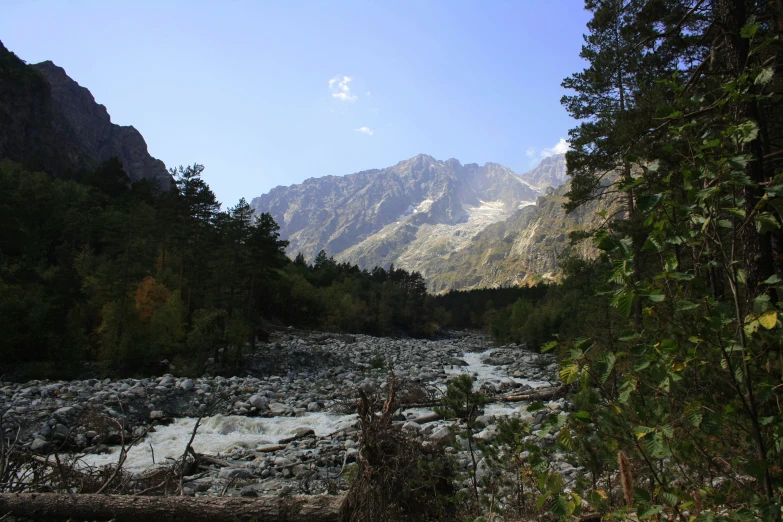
748	131
604	366
669	498
654	445
560	506
749	30
684	304
764	76
768	319
623	301
568	374
541	501
642	431
771	512
695	417
564	439
648	513
548	346
772	280
647	203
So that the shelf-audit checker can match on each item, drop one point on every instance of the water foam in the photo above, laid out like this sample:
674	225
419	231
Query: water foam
487	373
218	435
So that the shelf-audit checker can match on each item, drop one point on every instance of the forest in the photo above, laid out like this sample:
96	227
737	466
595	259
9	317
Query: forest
669	341
126	275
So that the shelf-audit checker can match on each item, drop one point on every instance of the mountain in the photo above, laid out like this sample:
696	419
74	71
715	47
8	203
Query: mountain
416	208
525	247
551	172
461	226
49	121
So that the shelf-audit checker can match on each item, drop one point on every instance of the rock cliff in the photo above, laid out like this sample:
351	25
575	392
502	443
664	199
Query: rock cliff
49	121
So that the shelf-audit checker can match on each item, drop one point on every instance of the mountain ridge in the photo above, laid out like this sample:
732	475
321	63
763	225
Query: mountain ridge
335	213
461	226
50	122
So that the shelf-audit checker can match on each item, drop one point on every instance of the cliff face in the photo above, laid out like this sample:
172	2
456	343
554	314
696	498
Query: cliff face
49	121
376	217
32	131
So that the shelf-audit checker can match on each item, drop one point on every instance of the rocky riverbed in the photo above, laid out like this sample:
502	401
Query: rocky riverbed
286	425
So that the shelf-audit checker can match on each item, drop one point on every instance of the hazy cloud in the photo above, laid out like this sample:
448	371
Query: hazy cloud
561	147
365	130
340	89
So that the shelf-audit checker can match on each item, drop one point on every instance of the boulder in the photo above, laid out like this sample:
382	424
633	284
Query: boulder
443	435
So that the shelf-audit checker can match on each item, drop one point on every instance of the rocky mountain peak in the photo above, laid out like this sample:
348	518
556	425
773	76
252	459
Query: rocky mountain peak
551	172
91	123
49	122
373	217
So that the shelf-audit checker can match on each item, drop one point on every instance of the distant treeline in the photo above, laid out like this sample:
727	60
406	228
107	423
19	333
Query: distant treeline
535	315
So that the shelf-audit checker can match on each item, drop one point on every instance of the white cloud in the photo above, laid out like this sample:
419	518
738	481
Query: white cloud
340	89
561	147
365	130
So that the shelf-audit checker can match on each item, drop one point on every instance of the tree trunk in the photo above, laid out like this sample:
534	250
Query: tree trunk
757	248
53	506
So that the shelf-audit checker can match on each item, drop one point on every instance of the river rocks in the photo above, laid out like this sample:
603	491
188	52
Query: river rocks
65	411
234	473
289	378
40	446
443	435
248	492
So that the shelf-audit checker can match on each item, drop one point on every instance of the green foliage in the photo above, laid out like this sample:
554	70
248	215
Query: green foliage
129	275
688	370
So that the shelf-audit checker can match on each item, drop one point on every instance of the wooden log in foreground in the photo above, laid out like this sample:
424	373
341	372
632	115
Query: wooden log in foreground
548	393
53	506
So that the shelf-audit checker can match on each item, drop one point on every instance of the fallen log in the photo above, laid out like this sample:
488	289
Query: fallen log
549	393
302	433
270	448
212	460
125	508
430	417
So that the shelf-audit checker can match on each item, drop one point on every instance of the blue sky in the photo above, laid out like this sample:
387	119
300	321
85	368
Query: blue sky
267	93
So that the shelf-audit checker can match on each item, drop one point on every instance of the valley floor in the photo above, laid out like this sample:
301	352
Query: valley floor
288	425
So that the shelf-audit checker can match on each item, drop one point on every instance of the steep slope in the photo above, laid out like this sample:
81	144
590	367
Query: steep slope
32	130
49	121
399	214
520	248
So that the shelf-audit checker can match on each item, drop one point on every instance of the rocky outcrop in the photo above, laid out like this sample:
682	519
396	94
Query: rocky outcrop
32	130
376	217
49	121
